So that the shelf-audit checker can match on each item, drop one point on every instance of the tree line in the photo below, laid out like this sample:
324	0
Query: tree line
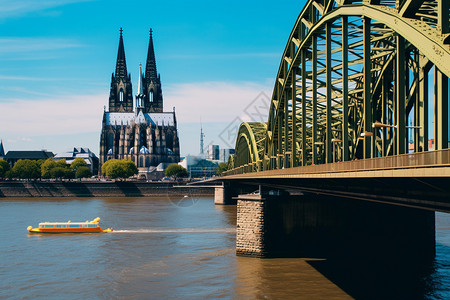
49	168
52	169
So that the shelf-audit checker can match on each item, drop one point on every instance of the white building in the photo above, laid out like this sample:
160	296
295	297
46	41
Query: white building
89	157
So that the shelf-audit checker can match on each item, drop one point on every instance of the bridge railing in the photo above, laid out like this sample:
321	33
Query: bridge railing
427	159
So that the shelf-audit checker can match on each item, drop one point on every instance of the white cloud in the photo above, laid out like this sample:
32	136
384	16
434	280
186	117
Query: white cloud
210	101
15	45
20	139
63	115
213	101
16	8
59	123
222	55
25	78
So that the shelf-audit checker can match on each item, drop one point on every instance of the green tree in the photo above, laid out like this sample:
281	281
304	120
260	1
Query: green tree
130	168
175	170
4	168
115	168
46	167
222	168
49	164
83	172
77	162
61	172
26	169
40	162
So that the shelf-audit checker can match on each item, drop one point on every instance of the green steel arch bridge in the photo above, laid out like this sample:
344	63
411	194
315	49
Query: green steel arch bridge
361	93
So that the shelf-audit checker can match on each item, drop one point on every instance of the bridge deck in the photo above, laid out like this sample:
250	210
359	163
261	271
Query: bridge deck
421	164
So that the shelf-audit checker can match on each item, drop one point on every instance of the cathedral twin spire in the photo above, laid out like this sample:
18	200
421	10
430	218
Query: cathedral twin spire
150	67
121	63
149	95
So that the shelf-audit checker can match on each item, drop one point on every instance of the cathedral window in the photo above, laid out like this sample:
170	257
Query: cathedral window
150	96
121	95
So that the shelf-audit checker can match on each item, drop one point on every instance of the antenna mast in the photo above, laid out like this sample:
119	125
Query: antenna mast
201	137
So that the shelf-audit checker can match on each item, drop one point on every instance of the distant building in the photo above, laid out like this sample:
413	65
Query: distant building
213	152
145	133
225	154
85	153
13	156
198	167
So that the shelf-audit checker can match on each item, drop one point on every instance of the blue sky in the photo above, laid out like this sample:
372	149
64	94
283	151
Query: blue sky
57	56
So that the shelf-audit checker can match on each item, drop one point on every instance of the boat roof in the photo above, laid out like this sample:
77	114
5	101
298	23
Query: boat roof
61	223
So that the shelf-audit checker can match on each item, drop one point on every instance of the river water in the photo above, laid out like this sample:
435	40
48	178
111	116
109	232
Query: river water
183	248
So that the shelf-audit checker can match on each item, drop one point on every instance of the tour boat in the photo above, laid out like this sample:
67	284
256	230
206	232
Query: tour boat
69	227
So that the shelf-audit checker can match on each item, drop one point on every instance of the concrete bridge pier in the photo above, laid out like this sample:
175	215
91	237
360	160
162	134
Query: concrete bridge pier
227	193
280	225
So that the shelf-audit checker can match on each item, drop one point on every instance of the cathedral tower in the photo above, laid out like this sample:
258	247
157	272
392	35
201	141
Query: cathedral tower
153	99
120	95
144	134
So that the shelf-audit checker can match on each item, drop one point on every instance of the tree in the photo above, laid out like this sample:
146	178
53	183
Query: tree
222	168
175	170
40	162
115	168
4	168
26	169
61	172
77	162
83	172
48	166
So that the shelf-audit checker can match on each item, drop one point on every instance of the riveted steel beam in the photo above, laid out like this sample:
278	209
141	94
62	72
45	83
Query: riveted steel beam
327	107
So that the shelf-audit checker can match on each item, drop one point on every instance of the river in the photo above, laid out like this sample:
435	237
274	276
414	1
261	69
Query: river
183	248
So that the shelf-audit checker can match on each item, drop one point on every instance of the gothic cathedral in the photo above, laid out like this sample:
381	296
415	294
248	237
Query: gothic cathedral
141	132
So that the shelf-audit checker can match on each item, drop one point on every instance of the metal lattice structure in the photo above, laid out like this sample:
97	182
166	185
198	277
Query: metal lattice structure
357	80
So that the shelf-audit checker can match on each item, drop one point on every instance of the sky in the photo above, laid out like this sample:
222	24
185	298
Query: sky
217	60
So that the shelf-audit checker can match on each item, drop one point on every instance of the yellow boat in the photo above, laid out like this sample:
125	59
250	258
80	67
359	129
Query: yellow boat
69	227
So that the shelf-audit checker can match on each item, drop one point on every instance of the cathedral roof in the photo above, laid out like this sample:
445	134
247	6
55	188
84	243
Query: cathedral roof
156	119
144	150
140	118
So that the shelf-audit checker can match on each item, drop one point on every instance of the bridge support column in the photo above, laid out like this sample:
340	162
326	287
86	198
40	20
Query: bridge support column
227	193
223	196
316	226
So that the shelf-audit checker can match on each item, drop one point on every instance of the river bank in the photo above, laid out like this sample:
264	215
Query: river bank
99	189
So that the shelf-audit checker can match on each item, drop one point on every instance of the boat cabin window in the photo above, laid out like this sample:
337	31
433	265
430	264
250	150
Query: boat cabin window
83	225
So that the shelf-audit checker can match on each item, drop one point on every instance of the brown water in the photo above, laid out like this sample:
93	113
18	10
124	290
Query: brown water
182	249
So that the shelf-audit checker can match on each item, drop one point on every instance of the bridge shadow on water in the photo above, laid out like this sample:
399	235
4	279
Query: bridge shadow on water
378	266
371	277
370	251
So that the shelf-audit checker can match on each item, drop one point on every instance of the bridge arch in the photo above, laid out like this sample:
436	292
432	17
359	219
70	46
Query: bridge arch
355	81
249	145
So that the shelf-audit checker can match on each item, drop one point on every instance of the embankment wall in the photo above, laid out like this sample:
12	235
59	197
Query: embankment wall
99	189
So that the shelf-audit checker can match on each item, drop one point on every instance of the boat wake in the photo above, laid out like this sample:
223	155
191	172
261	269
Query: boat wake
178	230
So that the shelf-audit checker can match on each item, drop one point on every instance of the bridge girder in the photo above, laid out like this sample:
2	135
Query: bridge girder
354	83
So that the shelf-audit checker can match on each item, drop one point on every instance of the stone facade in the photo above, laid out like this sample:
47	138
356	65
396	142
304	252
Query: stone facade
142	133
250	227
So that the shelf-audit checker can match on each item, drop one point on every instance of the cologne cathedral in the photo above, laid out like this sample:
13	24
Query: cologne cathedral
138	130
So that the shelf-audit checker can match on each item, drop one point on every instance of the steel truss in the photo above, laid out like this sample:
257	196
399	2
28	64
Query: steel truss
358	79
